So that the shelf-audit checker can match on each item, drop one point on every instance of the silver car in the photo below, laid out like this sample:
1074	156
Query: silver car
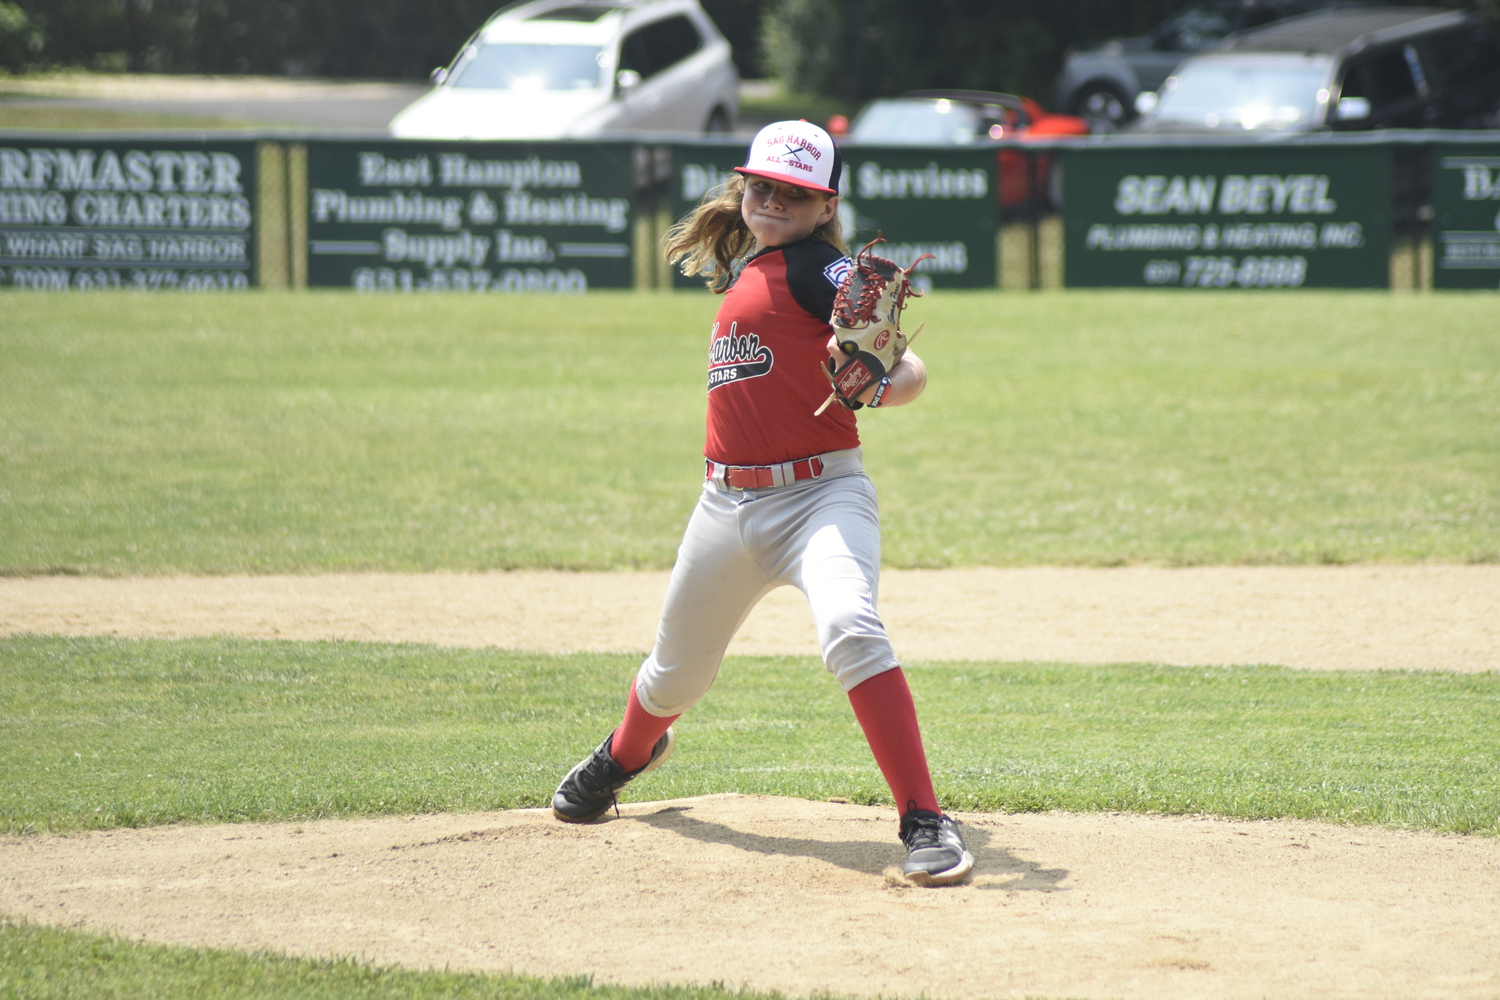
1101	84
551	69
1392	67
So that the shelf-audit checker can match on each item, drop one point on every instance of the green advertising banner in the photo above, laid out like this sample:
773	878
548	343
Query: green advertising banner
1228	217
938	201
692	171
943	202
551	218
79	214
1466	216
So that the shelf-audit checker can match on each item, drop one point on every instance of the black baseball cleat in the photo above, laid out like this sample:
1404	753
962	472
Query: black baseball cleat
935	851
590	788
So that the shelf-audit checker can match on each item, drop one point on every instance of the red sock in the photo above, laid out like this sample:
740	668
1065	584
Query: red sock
632	743
886	713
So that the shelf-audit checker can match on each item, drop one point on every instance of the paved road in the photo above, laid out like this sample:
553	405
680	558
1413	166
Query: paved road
321	105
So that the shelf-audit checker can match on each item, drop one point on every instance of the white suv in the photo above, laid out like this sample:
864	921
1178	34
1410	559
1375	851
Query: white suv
551	69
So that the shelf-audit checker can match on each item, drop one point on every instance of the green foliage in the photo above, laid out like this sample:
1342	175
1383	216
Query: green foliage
99	733
311	432
779	105
397	39
330	37
872	48
49	963
739	21
21	38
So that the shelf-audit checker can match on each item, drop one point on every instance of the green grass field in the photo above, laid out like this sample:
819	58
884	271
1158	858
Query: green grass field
49	963
286	432
101	733
323	431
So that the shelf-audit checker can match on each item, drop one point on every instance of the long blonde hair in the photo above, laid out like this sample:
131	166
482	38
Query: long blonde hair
713	236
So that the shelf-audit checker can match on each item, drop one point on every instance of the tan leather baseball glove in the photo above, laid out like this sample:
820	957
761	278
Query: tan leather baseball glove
867	324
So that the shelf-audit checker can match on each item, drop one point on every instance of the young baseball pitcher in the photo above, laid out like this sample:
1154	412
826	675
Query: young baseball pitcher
786	500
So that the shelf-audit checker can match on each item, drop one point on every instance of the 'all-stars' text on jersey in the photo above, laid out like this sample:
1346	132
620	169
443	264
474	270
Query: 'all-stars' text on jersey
765	358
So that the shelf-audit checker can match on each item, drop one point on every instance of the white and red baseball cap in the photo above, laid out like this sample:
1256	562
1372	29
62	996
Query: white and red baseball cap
797	153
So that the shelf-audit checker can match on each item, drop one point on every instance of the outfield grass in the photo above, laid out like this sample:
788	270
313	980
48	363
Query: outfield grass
325	431
99	733
43	963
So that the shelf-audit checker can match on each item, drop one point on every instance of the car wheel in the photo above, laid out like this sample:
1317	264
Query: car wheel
718	123
1103	107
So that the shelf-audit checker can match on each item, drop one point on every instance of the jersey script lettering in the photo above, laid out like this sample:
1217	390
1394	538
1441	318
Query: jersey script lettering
735	357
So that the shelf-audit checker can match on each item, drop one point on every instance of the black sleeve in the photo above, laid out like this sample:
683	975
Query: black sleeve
813	272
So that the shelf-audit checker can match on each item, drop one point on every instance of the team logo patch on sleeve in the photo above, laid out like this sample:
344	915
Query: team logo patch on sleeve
736	357
835	272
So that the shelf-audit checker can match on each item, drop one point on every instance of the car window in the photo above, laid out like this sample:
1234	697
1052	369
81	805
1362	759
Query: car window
529	66
1195	28
653	48
585	14
919	122
1414	64
1264	92
1384	79
1460	55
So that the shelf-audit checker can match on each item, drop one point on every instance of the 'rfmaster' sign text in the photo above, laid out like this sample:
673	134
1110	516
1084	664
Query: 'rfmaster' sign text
102	217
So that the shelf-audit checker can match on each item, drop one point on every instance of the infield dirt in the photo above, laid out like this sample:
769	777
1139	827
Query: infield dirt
803	896
1317	618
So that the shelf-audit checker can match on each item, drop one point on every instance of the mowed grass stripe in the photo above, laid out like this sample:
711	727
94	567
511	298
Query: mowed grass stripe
100	733
326	431
42	963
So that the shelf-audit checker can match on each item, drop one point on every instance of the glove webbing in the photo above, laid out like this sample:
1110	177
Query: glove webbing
877	272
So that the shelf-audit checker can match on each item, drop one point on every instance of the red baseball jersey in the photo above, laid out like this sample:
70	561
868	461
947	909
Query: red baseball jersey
765	358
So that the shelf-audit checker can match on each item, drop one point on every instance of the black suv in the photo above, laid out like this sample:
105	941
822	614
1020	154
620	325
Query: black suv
1381	67
1101	84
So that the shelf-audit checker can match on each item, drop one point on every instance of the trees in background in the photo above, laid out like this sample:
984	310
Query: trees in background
403	39
363	38
854	49
858	49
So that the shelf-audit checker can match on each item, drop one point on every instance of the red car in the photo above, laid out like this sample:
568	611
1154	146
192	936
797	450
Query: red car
966	118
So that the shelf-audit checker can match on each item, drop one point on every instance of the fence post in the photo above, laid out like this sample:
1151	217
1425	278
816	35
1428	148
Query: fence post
1034	220
296	202
270	216
643	248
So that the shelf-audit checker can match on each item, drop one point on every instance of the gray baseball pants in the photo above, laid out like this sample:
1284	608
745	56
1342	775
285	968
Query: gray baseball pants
821	536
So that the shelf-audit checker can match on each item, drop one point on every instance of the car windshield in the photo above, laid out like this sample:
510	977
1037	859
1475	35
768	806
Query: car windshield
529	66
920	122
1263	92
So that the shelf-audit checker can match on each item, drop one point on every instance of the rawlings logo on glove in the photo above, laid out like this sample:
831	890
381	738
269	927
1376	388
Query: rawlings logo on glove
867	325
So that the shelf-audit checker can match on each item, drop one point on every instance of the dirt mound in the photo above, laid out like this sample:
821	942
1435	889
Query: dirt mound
803	896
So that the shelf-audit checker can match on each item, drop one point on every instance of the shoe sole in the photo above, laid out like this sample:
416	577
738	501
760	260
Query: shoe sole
953	875
579	819
651	765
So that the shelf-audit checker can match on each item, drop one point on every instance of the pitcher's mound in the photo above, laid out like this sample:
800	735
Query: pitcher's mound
798	896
